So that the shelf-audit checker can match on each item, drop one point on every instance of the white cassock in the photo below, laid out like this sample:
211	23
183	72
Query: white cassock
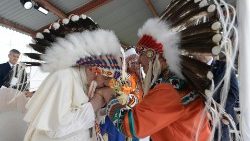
12	109
59	110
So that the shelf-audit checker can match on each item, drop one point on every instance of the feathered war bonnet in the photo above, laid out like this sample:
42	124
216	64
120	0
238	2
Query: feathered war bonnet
178	33
188	27
78	40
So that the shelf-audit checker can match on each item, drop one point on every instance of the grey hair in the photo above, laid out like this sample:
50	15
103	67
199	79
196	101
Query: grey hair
15	51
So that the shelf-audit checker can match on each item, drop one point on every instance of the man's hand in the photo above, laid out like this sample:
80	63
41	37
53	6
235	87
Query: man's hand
97	102
107	93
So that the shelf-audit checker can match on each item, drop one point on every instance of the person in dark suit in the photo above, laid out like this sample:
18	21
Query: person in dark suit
218	69
5	68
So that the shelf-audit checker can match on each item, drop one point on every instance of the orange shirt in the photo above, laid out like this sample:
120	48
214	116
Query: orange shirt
162	116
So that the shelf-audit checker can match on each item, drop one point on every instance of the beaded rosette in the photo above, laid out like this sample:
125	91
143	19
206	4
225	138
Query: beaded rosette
128	90
106	65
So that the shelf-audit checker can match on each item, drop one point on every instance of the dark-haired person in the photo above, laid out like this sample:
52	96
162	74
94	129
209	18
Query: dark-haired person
6	68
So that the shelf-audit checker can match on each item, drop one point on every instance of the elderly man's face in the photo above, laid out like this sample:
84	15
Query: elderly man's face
133	64
101	80
13	58
144	61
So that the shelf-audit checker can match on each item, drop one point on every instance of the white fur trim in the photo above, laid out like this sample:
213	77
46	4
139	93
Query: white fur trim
67	51
130	52
211	8
216	50
203	3
216	26
217	38
83	16
74	18
39	35
162	34
46	31
210	75
65	21
56	25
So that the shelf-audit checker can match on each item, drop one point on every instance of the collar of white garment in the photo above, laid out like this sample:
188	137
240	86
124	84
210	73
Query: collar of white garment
210	61
11	65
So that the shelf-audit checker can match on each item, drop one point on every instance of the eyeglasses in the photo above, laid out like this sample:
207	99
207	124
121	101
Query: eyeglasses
150	53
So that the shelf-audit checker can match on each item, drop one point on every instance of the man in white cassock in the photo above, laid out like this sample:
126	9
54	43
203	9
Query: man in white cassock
64	106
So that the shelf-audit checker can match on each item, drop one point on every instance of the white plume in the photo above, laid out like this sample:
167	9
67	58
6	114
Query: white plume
67	51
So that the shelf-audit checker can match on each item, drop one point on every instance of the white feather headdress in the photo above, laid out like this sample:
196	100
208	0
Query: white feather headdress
67	51
161	33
